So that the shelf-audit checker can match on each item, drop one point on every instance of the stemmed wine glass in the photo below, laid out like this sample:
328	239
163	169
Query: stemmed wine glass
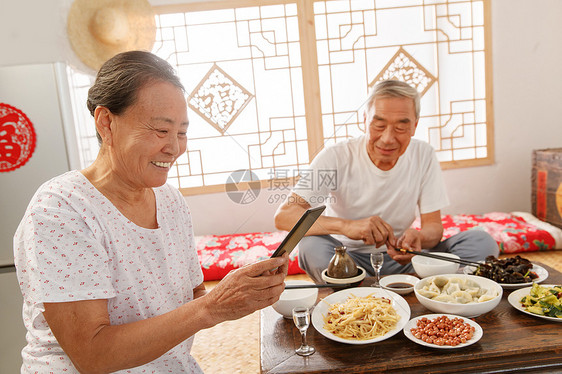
301	317
377	259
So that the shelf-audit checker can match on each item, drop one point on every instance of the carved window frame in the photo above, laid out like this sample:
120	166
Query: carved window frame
458	123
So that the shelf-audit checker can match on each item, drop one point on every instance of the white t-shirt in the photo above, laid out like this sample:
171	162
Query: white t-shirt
73	244
344	178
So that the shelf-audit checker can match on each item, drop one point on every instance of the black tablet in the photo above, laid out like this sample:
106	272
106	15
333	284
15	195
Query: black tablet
298	231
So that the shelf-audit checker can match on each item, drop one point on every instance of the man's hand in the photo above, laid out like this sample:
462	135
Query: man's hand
372	230
411	239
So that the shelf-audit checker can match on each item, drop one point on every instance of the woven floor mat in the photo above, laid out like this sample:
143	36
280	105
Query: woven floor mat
229	347
233	346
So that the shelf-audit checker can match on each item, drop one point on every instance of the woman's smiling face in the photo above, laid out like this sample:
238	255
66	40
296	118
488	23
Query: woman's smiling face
150	135
391	122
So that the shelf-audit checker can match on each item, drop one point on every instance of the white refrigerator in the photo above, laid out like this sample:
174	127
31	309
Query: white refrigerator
44	94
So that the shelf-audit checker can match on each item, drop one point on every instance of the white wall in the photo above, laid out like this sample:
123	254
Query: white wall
526	51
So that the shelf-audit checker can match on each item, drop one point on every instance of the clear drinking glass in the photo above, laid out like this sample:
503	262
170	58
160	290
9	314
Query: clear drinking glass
377	259
301	317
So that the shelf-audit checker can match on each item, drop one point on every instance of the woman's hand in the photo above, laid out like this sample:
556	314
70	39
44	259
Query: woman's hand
247	289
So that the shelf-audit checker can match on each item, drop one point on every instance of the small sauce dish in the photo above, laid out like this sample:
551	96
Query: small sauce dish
402	284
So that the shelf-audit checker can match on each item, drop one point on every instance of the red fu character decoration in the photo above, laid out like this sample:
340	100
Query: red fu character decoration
17	138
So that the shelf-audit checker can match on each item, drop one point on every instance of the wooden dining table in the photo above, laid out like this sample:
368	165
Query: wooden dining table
512	341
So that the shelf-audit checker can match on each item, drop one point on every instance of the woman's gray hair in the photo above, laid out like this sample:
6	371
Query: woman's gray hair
394	88
121	77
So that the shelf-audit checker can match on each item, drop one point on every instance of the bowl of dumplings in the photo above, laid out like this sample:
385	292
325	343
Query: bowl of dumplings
460	294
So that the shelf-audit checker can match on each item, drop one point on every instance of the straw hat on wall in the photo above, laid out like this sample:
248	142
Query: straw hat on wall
99	29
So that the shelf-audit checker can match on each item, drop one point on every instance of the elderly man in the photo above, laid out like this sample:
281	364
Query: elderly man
383	179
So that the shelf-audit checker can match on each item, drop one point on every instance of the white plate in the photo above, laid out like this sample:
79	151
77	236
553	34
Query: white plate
413	323
541	272
321	309
515	296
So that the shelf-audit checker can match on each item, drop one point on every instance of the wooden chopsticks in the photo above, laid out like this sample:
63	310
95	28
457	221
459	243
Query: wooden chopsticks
432	255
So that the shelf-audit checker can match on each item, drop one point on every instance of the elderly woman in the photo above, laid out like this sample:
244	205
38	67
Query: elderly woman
105	256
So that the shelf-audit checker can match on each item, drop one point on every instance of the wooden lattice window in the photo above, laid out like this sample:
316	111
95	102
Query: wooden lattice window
271	82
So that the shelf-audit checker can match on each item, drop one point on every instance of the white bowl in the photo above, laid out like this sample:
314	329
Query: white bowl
353	280
427	266
290	299
466	310
389	280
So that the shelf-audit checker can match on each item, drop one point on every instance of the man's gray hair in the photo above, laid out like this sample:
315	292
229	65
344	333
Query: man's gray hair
394	88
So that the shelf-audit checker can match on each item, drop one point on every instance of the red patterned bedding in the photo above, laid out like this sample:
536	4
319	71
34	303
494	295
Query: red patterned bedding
219	254
515	233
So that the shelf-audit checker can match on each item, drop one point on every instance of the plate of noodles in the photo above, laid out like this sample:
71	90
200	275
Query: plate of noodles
361	315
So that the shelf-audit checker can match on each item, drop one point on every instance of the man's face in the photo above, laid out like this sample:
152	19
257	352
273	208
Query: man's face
391	122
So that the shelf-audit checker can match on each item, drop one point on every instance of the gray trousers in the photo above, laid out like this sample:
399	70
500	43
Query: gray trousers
315	253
